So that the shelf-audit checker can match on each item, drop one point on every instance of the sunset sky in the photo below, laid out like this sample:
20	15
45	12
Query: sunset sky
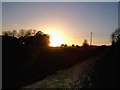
71	21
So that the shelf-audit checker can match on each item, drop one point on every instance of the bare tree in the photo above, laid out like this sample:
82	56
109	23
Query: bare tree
28	33
115	37
4	33
14	33
21	33
7	33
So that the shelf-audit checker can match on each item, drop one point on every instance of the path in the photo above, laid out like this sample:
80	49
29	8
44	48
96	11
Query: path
76	76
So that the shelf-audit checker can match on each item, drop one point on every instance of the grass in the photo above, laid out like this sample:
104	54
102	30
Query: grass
27	65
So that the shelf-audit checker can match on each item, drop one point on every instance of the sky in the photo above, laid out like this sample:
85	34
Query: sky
73	21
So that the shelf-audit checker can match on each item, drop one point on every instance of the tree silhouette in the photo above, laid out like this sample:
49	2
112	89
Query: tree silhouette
39	33
40	39
62	45
7	33
65	45
21	33
85	44
14	33
77	46
115	37
29	37
28	33
10	33
4	33
73	45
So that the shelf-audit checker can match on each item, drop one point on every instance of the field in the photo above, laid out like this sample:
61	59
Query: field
56	67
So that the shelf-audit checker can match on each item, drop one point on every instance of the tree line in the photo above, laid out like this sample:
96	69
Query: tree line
38	38
27	37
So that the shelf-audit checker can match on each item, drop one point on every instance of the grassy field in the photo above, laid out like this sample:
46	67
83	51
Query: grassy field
52	67
76	76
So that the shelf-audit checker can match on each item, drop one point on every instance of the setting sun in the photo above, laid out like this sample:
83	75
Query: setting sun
55	39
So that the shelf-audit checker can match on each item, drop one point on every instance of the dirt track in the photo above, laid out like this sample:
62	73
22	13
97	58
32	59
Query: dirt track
77	76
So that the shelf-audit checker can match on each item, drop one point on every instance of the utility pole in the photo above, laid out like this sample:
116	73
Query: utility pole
91	39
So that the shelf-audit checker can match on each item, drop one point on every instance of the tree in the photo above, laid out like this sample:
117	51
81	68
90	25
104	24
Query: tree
40	39
7	33
4	33
29	37
115	37
77	46
73	45
21	33
14	33
39	33
62	45
65	45
28	33
85	44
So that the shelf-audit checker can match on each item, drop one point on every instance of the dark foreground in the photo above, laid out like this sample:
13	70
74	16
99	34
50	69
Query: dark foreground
24	65
105	73
100	71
